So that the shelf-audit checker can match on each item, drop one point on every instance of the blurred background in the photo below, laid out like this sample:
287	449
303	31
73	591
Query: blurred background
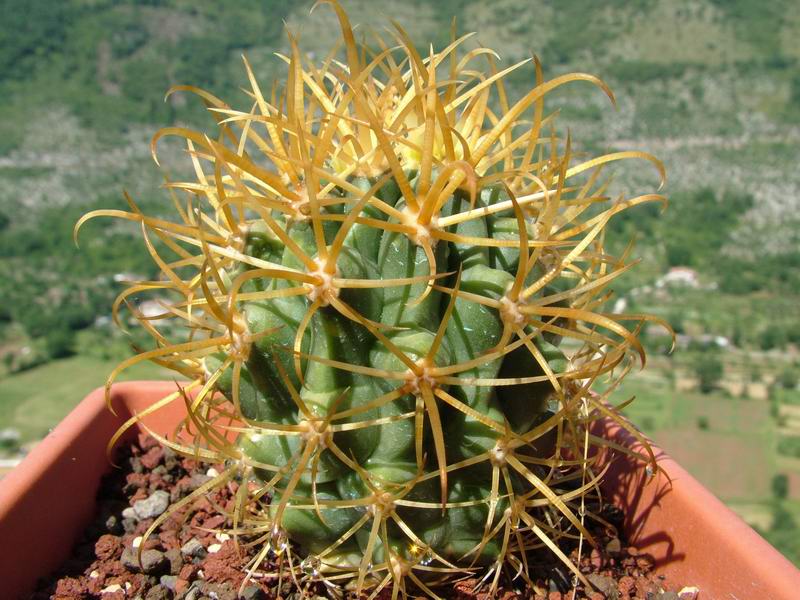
712	87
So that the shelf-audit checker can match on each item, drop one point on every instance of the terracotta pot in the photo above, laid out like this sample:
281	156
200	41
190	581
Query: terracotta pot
47	501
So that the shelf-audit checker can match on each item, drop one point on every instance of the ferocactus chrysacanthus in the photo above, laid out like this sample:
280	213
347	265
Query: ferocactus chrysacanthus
389	282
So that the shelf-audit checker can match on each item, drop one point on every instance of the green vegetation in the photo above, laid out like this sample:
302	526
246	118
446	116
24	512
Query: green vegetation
52	289
696	232
789	446
110	62
34	401
789	378
709	369
784	532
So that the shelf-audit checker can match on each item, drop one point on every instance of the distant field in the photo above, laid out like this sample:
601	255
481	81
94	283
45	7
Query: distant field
733	452
34	401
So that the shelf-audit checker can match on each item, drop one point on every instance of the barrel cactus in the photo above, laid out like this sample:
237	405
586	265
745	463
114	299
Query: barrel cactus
386	283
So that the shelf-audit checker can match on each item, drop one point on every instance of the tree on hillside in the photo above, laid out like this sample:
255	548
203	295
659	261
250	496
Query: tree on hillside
709	369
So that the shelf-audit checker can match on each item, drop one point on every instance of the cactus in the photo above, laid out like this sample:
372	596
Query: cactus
386	285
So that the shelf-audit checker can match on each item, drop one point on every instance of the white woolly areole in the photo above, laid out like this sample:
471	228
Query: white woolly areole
239	348
382	503
498	454
315	431
510	312
238	236
325	287
422	235
413	381
300	208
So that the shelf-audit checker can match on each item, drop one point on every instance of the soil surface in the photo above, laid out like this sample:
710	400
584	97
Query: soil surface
191	558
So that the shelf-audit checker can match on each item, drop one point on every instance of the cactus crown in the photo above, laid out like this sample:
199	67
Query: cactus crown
388	283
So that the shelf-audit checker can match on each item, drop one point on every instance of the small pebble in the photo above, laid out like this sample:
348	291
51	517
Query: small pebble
214	548
114	587
158	593
169	582
129	513
137	541
129	525
212	472
193	548
175	559
604	584
112	524
252	592
152	506
153	561
193	593
595	558
197	479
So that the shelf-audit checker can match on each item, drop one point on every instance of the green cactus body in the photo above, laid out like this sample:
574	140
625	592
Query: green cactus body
387	451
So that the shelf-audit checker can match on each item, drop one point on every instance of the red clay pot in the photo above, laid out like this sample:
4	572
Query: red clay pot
695	539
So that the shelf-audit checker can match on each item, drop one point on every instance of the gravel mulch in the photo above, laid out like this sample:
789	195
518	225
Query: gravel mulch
189	558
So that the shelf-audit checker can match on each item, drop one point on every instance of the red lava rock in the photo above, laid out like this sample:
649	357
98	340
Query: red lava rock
145	442
108	546
626	585
184	482
224	565
95	585
137	480
188	573
181	585
596	559
108	570
152	458
204	505
69	587
215	522
169	539
140	494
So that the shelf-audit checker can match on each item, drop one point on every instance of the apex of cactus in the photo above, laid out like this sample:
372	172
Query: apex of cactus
387	285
